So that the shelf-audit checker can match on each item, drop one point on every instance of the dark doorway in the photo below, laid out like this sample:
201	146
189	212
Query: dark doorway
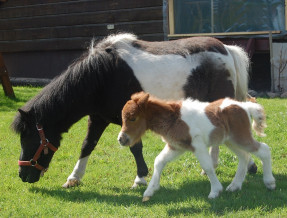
260	74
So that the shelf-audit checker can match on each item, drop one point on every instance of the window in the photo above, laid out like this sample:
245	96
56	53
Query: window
226	16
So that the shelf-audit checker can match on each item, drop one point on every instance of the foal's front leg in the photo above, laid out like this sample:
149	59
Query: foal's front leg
165	156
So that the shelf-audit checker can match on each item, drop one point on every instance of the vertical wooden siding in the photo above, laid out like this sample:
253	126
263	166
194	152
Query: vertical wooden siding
43	25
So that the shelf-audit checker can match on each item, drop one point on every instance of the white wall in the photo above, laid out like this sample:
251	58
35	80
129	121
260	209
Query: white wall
280	57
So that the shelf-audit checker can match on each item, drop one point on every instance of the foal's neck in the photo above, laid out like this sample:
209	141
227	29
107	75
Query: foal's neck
161	116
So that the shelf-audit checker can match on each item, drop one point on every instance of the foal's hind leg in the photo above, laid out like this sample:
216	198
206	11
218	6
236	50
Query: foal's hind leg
213	152
239	177
96	127
264	154
142	169
206	163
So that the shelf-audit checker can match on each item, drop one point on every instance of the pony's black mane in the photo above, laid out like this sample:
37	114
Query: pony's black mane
73	90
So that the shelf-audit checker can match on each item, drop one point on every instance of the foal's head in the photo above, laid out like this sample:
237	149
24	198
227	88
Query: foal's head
134	119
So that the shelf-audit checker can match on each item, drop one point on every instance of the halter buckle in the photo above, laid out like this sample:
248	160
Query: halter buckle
33	162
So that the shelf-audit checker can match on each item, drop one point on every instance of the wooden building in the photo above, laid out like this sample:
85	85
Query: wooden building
40	38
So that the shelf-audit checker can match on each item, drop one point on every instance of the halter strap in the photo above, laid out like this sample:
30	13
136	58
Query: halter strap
45	145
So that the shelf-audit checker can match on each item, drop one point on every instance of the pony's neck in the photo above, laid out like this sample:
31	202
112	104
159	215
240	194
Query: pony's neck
161	116
66	100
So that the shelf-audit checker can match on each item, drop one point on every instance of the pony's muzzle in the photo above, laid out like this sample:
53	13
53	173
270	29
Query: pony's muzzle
123	139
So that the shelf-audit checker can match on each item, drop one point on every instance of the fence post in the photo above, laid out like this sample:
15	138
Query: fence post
4	77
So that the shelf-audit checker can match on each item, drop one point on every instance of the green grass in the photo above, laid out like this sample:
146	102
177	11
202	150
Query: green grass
106	192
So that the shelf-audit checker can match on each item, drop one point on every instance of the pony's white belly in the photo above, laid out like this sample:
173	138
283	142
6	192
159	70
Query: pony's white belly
161	75
165	75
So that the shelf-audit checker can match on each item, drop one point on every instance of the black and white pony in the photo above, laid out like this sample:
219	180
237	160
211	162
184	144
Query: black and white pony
102	80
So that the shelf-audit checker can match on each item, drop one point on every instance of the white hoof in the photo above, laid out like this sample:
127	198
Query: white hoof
145	199
139	181
71	183
203	173
149	192
270	184
213	195
215	192
233	187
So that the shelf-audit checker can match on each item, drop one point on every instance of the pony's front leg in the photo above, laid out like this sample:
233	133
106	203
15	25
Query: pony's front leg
142	169
165	156
96	127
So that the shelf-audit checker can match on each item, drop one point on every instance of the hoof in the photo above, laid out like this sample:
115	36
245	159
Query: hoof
145	199
71	183
233	187
252	169
213	195
203	173
135	185
139	181
271	185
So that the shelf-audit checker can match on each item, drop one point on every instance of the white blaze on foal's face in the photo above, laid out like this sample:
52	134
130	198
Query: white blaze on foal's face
134	122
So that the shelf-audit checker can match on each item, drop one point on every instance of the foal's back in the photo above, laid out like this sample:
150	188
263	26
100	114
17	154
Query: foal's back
221	121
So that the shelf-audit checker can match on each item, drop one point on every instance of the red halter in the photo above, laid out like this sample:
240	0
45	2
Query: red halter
45	144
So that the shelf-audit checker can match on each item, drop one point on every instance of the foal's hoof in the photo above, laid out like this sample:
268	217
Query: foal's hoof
203	173
213	195
233	187
252	169
71	183
271	185
146	198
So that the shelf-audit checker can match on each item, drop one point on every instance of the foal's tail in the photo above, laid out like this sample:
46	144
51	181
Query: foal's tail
241	62
258	115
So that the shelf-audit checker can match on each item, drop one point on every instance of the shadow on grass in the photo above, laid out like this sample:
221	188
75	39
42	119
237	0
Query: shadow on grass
9	104
253	195
13	103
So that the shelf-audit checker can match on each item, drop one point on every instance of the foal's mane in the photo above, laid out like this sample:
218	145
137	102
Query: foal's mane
71	91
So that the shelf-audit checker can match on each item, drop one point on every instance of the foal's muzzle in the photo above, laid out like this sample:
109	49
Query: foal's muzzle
123	139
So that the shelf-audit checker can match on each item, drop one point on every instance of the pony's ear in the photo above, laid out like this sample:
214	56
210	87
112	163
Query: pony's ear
24	115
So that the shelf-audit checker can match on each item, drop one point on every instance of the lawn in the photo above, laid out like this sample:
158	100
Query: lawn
106	192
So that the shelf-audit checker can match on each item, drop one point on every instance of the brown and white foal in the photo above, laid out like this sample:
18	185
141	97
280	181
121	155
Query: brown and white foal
191	125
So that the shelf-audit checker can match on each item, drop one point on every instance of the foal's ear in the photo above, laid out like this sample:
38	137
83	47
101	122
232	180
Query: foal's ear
143	100
135	97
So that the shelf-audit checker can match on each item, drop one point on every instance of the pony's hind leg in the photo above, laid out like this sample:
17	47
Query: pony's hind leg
264	154
96	127
165	156
239	177
142	169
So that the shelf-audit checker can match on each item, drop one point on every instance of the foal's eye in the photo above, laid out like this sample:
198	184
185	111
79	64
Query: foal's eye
132	119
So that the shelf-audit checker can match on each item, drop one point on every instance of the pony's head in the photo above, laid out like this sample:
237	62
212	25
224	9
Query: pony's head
134	119
36	150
